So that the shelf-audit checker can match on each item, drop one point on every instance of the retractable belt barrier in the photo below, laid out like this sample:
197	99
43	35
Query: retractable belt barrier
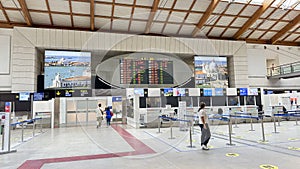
21	123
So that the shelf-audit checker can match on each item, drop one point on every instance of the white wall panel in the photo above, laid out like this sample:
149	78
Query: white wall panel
52	33
5	45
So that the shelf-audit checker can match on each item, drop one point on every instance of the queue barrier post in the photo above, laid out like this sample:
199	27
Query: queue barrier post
251	123
274	120
230	131
159	124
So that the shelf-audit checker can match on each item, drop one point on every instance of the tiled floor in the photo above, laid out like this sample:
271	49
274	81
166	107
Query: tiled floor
123	147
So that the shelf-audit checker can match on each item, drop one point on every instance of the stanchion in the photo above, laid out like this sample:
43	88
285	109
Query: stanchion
235	117
2	130
33	127
191	140
158	124
274	120
263	129
230	131
171	130
251	123
278	120
296	116
22	136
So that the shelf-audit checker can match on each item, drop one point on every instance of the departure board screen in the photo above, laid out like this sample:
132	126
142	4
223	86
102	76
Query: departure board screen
150	71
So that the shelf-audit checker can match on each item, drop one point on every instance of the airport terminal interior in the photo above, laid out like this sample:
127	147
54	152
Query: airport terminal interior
129	83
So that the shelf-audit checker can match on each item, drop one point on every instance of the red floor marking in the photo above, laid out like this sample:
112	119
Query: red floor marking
138	146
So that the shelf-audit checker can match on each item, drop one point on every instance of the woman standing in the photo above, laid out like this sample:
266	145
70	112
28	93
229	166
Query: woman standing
203	123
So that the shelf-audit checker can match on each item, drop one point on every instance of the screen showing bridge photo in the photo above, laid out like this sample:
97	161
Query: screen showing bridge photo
67	70
211	72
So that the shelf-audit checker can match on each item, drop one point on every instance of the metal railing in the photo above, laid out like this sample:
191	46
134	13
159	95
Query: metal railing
284	69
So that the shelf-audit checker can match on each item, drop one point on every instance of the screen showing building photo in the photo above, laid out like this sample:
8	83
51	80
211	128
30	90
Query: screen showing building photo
67	70
211	72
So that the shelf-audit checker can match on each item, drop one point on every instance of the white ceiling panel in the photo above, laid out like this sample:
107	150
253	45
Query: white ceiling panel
256	34
102	23
64	20
103	10
225	20
79	7
256	23
203	31
291	15
121	25
216	32
245	34
268	35
187	30
230	32
122	11
292	37
15	16
144	2
138	26
212	19
201	5
298	40
234	9
277	14
80	21
59	5
267	12
141	13
171	29
193	18
34	4
165	3
130	2
2	17
177	17
279	25
10	3
161	15
267	24
104	1
156	27
239	22
185	5
221	7
40	18
282	37
249	11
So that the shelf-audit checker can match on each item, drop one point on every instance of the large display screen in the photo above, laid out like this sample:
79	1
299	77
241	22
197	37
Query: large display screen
210	72
67	70
148	71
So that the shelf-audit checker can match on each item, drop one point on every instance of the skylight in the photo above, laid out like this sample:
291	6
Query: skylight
283	4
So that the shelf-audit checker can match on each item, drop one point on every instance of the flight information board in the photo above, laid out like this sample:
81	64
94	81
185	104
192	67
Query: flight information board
146	71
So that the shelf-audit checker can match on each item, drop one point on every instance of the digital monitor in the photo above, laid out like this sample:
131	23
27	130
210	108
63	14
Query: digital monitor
24	96
168	92
207	92
139	91
38	96
146	71
243	91
211	72
253	91
67	70
219	91
179	92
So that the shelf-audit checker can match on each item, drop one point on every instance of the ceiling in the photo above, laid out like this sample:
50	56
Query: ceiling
254	21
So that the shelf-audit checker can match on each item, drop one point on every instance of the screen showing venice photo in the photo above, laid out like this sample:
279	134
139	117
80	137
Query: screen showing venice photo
211	72
67	70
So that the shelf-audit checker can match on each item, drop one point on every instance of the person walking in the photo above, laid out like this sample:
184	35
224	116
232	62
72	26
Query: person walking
108	116
203	123
99	115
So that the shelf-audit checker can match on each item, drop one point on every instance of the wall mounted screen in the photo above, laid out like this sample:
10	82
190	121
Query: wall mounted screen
210	72
148	71
24	96
67	70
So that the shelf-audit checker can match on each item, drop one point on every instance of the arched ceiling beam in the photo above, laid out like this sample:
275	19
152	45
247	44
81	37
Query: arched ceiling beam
205	16
151	16
92	12
25	11
266	4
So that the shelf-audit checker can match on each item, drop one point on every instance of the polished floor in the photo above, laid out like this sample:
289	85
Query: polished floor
123	147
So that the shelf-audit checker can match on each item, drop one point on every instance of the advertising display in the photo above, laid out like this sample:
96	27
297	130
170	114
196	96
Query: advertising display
133	71
243	91
211	72
24	96
253	91
179	92
207	92
139	91
38	96
67	70
168	92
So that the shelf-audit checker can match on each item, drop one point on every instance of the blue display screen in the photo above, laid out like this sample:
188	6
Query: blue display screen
243	91
219	91
38	96
207	92
168	92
